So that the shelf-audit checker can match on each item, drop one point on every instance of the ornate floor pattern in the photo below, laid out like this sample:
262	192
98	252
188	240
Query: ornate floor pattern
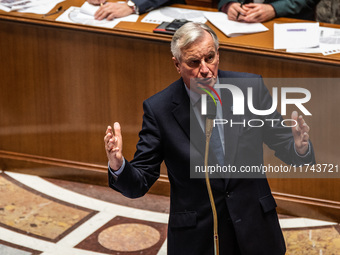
40	217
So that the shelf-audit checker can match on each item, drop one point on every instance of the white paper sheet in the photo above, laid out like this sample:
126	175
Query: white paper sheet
233	28
4	8
89	9
329	43
168	14
296	35
29	6
329	40
77	15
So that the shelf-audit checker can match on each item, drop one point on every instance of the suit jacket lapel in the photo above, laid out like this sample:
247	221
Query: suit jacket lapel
182	112
185	117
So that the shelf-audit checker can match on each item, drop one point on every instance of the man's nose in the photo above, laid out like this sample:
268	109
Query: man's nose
204	70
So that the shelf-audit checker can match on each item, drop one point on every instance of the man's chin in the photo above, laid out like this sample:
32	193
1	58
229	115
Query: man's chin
204	82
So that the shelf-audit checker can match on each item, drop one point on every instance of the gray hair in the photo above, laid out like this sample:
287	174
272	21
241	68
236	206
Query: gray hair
188	34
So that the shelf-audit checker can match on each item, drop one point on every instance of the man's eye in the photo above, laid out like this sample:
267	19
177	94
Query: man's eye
194	63
210	59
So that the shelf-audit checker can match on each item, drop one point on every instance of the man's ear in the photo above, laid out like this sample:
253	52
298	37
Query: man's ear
218	56
177	64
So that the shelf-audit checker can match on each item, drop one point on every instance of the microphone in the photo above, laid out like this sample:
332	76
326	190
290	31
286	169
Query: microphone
209	125
210	116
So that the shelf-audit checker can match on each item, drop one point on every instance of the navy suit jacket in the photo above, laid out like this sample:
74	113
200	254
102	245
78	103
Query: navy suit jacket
149	5
245	206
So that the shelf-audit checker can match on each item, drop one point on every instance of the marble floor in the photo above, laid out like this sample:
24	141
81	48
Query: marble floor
55	217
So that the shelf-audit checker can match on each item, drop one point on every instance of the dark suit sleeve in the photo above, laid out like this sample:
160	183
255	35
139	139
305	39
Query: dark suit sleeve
149	5
142	172
301	9
223	2
287	8
279	137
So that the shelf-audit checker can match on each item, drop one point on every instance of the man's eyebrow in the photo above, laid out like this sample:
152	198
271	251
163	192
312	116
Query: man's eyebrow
211	52
192	58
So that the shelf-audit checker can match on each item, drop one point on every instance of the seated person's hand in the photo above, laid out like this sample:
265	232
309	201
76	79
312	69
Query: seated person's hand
96	2
258	13
250	12
235	11
111	10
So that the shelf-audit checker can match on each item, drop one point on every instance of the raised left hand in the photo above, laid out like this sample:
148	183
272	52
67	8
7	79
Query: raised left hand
300	133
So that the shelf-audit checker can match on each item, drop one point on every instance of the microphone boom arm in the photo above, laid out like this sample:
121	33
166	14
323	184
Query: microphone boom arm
208	131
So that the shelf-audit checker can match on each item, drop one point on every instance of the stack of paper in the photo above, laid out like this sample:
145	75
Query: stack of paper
329	40
168	14
85	15
233	28
219	19
306	38
31	6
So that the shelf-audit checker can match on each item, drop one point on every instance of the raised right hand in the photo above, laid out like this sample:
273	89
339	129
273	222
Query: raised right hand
114	146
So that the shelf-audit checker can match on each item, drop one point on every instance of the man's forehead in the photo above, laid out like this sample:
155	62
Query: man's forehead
188	42
197	52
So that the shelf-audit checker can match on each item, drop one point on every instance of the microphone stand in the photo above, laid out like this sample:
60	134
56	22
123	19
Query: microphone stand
209	125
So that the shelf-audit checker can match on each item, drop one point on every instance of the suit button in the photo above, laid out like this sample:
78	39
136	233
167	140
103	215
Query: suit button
227	194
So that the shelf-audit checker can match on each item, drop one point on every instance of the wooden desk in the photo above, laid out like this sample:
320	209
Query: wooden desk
62	84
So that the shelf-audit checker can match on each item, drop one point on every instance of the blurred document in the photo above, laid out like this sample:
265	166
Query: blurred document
296	35
89	9
168	14
233	28
329	40
85	16
29	6
329	43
